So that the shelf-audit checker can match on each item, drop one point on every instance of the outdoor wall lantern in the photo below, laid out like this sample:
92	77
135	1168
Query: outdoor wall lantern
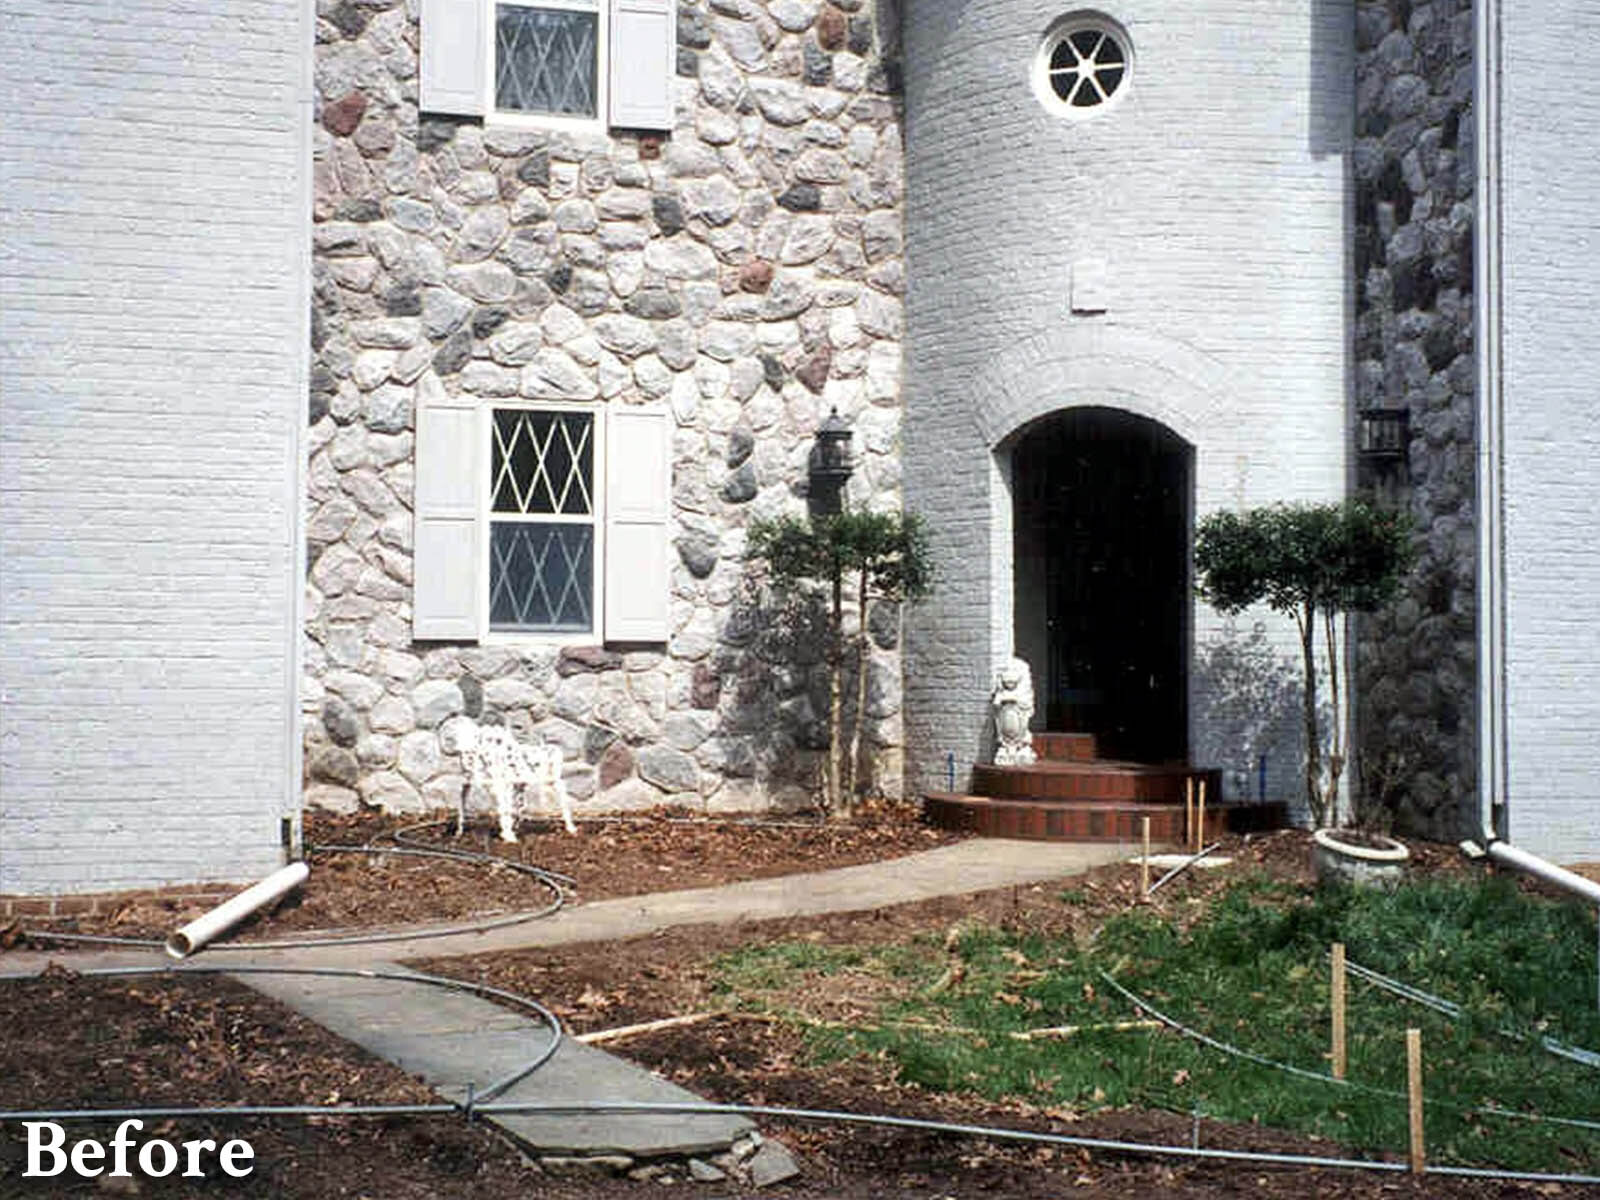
1383	440
830	466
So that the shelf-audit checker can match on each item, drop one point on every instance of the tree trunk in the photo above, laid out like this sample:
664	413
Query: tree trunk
1307	621
836	695
853	772
1330	799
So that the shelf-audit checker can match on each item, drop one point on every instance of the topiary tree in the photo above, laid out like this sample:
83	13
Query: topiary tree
1310	561
886	557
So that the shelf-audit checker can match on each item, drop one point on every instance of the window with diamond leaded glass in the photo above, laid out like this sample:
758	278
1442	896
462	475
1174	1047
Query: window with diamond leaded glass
542	520
547	58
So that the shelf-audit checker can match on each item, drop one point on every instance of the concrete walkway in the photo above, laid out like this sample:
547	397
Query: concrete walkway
451	1039
974	865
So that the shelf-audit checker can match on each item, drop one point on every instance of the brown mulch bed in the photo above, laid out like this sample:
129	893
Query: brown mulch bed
76	1042
625	856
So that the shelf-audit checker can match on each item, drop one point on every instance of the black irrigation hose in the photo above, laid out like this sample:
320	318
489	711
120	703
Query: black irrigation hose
1318	1077
1142	1149
557	883
1450	1009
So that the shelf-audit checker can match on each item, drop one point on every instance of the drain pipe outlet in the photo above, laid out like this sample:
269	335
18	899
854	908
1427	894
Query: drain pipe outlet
1511	856
226	915
1487	317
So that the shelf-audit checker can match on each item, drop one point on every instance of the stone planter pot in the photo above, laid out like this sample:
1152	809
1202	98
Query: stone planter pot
1363	859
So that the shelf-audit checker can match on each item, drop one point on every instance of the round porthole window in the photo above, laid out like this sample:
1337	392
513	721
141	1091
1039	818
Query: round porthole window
1084	66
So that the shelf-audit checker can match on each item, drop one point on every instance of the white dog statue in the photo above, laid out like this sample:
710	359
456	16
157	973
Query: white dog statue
1012	699
497	762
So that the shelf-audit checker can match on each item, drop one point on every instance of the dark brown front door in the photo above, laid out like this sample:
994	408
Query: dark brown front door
1102	520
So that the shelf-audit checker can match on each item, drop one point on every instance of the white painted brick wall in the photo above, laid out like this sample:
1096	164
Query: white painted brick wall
1551	109
153	280
1217	195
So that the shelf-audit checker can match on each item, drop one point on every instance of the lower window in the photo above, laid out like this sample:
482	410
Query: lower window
544	520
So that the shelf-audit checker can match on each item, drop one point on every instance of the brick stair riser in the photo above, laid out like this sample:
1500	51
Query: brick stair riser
1054	823
1110	784
1044	820
1065	747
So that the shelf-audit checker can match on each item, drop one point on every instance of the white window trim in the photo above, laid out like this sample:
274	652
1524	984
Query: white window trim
597	516
520	120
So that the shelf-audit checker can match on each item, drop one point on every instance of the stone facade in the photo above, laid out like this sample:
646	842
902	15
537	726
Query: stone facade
744	269
1414	172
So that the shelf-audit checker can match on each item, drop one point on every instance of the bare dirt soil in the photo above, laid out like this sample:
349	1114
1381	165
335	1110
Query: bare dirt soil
74	1042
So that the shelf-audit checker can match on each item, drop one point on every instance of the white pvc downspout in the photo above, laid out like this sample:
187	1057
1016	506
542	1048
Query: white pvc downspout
1492	742
1491	431
225	916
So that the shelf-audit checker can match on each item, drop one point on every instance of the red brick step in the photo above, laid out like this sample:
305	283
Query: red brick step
1053	779
1078	821
1070	794
1070	747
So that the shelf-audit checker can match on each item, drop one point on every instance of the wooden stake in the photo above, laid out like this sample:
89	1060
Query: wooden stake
1200	819
1144	863
1337	987
601	1036
1188	809
1414	1097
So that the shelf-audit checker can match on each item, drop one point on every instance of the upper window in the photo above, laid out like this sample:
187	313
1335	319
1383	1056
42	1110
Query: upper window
589	62
547	59
1083	66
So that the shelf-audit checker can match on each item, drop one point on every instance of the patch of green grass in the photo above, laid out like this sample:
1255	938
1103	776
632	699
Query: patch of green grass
1253	972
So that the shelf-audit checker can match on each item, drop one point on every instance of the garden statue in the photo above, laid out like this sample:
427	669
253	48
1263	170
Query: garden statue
1012	700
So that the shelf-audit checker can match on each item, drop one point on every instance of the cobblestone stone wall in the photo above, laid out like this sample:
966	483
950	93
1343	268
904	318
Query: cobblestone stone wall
1414	173
745	269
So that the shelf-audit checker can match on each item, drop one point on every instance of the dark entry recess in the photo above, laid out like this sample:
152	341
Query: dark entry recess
1103	511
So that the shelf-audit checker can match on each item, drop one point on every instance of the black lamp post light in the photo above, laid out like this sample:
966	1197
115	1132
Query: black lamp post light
830	466
1383	441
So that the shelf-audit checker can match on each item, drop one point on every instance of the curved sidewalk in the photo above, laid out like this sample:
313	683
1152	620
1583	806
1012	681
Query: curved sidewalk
974	865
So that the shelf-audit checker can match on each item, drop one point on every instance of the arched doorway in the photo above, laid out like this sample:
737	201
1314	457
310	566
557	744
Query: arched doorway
1103	509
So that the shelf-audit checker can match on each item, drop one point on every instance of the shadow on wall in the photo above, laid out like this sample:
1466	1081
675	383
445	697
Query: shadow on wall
1249	699
769	679
1332	101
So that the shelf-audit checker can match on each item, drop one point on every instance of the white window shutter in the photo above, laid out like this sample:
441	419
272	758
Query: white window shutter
644	51
446	566
453	66
638	498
